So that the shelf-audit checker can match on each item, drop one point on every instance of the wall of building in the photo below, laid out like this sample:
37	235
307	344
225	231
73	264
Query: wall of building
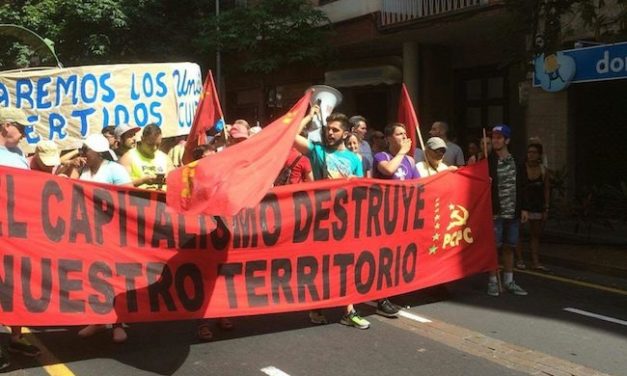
547	117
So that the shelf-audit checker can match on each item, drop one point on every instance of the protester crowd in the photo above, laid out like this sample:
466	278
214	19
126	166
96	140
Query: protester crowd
131	156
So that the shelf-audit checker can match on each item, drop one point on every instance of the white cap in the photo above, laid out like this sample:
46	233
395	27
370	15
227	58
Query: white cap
435	143
97	142
123	128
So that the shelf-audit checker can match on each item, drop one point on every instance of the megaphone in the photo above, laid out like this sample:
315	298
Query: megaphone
327	98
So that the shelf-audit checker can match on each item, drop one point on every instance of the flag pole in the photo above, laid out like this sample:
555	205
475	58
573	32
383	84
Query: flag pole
416	125
485	144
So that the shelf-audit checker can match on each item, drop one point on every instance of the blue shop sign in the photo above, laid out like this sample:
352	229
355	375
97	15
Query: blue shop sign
557	71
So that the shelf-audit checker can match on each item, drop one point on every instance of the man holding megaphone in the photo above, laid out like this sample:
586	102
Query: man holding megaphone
331	160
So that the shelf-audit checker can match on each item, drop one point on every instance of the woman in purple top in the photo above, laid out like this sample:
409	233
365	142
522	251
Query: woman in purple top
395	163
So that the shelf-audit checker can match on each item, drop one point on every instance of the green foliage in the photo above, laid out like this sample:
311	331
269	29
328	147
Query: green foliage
269	35
106	31
546	19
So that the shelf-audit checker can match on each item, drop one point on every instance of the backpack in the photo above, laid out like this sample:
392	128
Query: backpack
286	172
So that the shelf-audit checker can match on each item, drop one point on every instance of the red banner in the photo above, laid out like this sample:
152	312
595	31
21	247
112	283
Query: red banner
79	253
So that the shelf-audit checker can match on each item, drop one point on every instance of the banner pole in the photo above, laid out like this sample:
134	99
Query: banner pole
485	144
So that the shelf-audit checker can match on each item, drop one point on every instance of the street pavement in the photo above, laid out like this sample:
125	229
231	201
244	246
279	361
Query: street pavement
568	325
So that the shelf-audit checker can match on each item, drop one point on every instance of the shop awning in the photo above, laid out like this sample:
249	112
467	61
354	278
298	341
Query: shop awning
378	75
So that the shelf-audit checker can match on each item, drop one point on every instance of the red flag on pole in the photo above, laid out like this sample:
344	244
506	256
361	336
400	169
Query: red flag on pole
208	115
238	177
407	116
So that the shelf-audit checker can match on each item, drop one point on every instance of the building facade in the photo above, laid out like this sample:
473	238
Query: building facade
455	56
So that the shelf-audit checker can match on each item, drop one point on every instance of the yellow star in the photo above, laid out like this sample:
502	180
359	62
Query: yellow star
437	226
451	207
436	237
288	118
437	217
433	249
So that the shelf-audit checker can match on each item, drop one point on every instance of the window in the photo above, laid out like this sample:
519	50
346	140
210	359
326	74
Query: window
482	100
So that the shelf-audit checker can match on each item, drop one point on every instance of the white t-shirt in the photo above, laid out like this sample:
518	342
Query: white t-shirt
424	169
454	156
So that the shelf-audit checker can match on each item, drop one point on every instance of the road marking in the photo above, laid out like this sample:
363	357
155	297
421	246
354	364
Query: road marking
405	314
575	282
48	361
273	371
411	316
596	316
494	350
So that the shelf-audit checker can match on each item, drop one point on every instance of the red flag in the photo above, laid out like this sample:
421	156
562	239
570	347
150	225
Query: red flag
238	177
407	116
208	115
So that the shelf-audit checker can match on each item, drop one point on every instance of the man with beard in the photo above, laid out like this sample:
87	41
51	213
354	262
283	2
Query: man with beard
332	160
125	138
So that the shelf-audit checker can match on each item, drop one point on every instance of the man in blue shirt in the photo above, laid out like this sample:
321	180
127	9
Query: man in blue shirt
332	160
12	123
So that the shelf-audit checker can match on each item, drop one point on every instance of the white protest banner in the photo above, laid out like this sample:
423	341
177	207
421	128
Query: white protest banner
65	105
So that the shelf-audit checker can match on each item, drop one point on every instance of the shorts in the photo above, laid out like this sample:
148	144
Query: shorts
506	232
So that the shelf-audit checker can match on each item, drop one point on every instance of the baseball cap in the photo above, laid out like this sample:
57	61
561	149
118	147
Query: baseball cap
123	128
435	143
97	142
48	152
15	116
503	129
238	131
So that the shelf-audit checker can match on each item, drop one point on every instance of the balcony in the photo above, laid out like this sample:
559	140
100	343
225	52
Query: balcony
395	12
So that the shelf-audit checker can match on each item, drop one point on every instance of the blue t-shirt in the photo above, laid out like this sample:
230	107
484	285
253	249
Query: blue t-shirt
13	159
339	163
109	173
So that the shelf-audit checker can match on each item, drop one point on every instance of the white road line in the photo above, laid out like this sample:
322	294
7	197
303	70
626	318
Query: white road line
411	316
405	314
596	316
273	371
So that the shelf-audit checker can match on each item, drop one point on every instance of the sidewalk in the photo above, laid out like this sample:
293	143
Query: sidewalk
609	260
603	252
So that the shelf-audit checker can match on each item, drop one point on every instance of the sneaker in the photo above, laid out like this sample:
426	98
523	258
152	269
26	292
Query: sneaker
386	308
493	289
520	264
4	359
317	318
21	346
90	330
353	319
119	334
513	288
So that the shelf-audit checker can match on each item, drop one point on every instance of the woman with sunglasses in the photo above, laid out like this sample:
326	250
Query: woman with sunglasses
435	149
98	168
